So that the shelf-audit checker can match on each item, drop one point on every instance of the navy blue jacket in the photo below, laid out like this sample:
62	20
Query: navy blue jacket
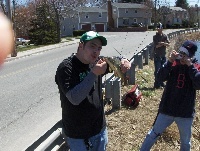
179	95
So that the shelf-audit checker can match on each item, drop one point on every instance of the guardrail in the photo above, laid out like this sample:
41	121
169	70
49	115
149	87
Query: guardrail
53	139
138	60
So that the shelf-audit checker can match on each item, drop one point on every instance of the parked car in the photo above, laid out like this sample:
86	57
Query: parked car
22	41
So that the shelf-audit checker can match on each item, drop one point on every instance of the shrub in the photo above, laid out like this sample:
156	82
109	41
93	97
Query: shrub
78	32
150	27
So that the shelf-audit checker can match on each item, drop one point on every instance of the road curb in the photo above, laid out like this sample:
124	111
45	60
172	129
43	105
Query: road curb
39	50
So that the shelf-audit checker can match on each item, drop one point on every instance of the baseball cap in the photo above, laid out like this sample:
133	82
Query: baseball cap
91	35
189	47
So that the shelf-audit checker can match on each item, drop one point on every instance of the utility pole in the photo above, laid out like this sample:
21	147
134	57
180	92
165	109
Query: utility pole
155	16
14	54
8	13
196	5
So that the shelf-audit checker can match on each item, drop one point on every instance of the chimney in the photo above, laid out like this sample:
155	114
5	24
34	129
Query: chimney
110	18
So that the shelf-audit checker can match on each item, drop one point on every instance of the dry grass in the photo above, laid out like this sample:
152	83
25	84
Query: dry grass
128	127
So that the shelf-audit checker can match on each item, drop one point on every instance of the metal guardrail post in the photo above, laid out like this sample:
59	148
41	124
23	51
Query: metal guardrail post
108	87
146	55
135	58
140	61
131	73
116	101
113	91
169	36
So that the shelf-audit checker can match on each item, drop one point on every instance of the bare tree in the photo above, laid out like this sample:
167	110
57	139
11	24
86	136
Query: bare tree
2	7
192	15
58	9
63	9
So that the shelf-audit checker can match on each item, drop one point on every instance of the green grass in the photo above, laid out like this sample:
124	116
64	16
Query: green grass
28	47
69	39
21	48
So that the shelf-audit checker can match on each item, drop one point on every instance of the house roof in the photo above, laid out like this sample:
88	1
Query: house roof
128	5
90	9
177	8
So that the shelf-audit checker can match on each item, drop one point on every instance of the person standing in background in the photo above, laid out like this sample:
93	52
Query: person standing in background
160	41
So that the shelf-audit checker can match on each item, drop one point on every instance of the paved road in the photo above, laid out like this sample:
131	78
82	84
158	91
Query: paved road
29	97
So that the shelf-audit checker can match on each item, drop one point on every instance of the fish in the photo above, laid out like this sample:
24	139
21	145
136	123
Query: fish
115	65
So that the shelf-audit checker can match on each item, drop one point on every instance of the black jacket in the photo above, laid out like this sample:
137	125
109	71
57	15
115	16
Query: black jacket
86	119
161	51
179	95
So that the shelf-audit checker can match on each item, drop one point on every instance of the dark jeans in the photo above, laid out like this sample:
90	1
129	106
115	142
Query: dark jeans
158	62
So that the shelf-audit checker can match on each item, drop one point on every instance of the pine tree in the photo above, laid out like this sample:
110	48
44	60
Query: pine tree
182	3
43	29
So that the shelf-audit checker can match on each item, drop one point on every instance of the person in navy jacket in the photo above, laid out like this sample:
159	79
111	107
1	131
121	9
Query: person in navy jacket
182	76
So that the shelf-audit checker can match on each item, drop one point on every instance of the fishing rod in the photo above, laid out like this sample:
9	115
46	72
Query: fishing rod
120	53
117	51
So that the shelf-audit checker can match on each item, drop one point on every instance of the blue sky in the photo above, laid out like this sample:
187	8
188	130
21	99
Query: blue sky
191	2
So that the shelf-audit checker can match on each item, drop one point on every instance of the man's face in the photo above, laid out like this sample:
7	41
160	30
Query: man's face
91	50
159	30
183	57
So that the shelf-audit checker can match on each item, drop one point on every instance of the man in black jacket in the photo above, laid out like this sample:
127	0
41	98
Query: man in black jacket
160	41
79	79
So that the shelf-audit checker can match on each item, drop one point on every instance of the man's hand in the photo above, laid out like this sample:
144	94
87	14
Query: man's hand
166	44
172	56
125	65
160	44
186	60
100	67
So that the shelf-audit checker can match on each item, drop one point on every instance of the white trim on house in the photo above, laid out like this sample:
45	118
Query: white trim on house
114	11
79	20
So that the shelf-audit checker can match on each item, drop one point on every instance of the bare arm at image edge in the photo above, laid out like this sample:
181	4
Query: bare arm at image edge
80	92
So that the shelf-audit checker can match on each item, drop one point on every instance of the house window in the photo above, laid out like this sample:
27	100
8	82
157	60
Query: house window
185	15
100	15
135	20
126	11
125	21
114	11
135	11
86	16
73	27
